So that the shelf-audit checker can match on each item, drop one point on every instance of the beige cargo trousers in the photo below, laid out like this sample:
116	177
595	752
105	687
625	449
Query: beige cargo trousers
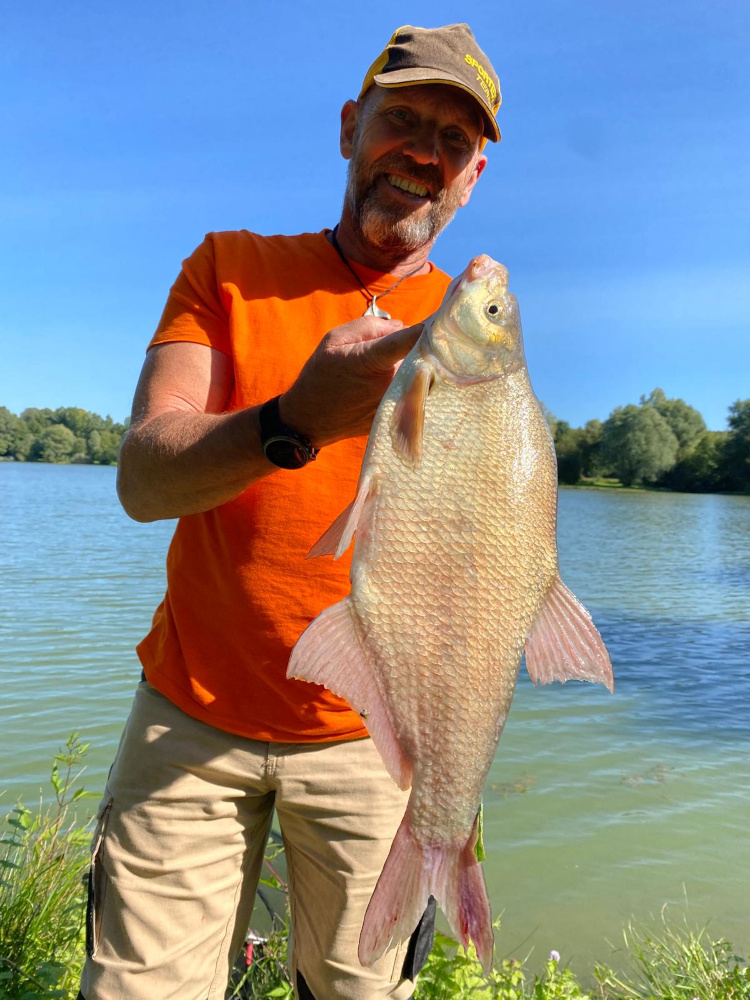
178	850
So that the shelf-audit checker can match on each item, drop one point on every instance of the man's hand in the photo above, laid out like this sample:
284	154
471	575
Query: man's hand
183	454
341	384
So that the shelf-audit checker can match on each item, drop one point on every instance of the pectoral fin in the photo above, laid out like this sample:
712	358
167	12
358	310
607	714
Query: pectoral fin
329	653
407	428
564	644
337	539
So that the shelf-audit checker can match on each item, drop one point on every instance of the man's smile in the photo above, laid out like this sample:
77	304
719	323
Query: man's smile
403	190
407	185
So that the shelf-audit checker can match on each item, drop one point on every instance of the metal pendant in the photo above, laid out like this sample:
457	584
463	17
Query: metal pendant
374	310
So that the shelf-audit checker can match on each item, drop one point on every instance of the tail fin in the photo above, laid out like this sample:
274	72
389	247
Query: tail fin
411	874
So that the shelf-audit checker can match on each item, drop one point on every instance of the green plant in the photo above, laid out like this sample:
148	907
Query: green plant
44	854
557	983
678	963
266	975
42	865
265	960
453	973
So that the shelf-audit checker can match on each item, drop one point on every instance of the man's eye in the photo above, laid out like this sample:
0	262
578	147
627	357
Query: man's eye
400	114
457	137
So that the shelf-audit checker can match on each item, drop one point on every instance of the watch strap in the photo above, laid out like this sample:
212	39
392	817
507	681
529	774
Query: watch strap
272	428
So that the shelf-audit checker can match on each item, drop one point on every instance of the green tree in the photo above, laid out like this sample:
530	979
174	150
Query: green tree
638	445
80	451
15	437
37	420
94	438
702	469
590	448
737	449
549	417
55	444
111	441
568	442
104	446
80	421
685	421
94	446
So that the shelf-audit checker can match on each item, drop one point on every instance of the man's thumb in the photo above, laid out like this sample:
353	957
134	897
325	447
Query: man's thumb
386	351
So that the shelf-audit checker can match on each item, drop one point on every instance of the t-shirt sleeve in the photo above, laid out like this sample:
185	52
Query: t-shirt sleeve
194	311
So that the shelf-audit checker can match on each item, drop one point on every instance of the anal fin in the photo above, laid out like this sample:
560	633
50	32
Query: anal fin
563	643
329	653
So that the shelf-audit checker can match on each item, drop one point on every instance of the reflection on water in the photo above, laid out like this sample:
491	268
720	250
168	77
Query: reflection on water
691	680
598	806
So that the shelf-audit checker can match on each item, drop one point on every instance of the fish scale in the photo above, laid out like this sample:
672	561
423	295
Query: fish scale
454	572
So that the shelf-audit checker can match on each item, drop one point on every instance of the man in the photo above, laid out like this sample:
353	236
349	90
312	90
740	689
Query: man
251	429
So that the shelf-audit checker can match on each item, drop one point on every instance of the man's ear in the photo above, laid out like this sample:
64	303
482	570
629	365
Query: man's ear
348	125
474	176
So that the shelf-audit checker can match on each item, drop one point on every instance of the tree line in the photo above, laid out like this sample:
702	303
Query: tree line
661	442
67	434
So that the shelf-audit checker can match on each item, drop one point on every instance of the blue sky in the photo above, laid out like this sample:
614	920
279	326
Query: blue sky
619	197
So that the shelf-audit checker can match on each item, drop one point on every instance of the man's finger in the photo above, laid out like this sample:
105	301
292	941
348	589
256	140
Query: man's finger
364	328
393	347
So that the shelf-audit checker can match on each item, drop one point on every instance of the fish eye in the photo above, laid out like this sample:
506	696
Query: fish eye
493	310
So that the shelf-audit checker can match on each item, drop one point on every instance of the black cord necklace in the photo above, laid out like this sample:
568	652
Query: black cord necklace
373	309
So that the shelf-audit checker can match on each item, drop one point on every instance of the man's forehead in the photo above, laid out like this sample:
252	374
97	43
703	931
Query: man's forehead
450	100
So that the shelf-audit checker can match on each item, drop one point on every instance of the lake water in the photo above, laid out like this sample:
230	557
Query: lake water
598	808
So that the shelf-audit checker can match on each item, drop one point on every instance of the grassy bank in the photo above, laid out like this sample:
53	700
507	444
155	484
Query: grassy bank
43	860
612	484
615	484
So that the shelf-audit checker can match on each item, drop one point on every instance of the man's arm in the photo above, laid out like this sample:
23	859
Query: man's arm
183	454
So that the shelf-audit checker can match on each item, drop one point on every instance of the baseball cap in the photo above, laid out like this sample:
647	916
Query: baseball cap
440	55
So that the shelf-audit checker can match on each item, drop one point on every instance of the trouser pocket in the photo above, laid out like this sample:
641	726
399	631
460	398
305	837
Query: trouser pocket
97	879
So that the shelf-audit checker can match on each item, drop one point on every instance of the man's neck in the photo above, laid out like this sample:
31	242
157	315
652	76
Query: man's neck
357	249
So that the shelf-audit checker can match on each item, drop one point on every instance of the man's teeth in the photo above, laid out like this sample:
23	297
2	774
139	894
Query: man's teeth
410	186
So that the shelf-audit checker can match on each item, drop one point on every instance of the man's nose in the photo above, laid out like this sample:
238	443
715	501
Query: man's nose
423	146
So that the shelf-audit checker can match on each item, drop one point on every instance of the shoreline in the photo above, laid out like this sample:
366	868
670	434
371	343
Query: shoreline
594	484
614	484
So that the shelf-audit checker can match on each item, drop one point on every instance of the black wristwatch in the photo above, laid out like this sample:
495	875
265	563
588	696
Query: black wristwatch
281	445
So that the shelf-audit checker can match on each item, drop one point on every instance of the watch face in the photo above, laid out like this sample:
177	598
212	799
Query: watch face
286	453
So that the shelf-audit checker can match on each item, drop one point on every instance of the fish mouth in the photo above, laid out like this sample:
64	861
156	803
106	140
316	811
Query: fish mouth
483	266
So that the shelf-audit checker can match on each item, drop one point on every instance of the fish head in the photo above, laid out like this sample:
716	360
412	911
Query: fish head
476	332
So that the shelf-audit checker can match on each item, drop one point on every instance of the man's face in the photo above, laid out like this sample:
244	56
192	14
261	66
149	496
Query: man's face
423	137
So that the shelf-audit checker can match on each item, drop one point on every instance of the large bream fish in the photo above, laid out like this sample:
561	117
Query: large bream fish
454	575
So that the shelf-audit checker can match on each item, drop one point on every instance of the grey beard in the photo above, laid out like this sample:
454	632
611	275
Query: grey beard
391	228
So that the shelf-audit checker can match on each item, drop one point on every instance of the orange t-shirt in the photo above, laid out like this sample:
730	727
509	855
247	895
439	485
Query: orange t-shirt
239	590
